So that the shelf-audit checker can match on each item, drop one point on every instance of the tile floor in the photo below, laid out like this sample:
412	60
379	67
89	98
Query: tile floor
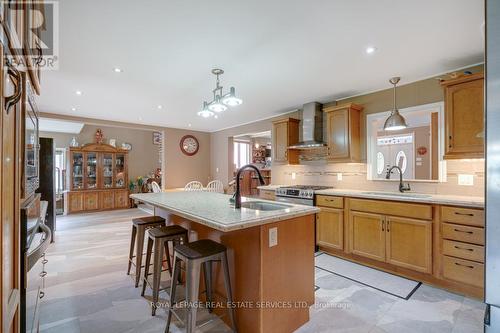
87	290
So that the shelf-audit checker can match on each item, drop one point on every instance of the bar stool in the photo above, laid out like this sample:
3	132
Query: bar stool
160	237
139	227
201	252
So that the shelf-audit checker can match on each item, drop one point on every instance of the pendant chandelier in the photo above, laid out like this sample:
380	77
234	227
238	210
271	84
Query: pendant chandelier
220	101
396	121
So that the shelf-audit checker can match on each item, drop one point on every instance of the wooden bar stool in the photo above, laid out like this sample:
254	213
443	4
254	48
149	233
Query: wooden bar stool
195	254
139	227
160	237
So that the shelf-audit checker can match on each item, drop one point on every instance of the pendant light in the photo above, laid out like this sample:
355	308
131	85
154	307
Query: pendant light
220	102
396	121
205	112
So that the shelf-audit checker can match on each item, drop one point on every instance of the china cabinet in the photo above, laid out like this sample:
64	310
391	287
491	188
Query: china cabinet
97	178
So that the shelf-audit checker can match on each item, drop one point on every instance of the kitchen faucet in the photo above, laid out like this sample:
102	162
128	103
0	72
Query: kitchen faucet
402	187
237	194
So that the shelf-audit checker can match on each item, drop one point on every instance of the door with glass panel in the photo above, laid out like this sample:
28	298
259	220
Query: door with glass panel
77	170
107	170
120	170
91	171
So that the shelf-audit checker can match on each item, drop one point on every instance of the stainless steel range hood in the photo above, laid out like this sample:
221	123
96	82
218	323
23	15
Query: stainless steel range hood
312	127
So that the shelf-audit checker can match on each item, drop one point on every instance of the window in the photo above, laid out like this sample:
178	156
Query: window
241	151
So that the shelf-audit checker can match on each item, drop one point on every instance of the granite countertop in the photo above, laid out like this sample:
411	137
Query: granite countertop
441	199
213	209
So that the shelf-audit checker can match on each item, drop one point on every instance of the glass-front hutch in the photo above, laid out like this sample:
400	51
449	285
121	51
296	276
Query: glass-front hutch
97	178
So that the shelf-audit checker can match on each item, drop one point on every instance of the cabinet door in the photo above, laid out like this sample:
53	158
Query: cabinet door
338	134
367	235
107	199
330	228
465	119
121	199
91	170
77	166
107	170
75	202
91	200
409	243
280	142
120	170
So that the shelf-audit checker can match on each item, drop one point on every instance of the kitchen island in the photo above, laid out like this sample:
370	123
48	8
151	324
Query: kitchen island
270	253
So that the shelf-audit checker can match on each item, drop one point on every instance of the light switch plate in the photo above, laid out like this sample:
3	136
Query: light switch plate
294	175
273	236
465	180
339	176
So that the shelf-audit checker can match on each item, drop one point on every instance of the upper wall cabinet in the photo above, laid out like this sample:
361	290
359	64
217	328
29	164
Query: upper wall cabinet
285	133
464	117
343	132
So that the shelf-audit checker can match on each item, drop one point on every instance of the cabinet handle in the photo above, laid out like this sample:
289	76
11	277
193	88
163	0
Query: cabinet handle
388	225
42	294
43	274
468	266
465	232
383	225
14	98
464	214
463	248
44	261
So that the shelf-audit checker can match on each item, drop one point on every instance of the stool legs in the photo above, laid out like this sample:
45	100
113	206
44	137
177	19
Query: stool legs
131	252
227	284
146	267
173	286
138	254
157	267
207	274
192	290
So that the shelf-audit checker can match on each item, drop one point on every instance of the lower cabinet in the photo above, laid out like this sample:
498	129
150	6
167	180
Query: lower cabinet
367	235
91	200
82	201
409	243
330	228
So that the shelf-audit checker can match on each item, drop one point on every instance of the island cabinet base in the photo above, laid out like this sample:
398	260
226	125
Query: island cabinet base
273	287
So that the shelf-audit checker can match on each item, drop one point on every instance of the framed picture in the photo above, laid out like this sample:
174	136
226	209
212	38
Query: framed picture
112	142
157	138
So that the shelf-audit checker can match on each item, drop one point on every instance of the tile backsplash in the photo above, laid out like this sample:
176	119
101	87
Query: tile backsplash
353	176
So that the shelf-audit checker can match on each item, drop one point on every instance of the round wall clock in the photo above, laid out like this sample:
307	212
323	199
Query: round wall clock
189	145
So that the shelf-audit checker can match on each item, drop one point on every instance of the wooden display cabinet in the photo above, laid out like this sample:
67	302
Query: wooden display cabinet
97	178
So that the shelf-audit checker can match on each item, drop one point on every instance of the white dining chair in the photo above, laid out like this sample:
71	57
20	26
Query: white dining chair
193	186
215	186
156	188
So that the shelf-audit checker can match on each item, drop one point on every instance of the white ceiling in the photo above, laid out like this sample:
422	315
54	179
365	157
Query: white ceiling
60	126
278	54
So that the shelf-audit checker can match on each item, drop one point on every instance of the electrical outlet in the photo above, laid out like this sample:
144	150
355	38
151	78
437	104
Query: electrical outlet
465	180
273	236
339	176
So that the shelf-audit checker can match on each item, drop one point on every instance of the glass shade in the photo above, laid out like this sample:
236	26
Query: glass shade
230	99
217	106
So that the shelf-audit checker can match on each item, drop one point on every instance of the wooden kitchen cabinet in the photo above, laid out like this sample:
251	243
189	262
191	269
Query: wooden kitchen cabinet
409	243
107	199
121	199
464	117
367	235
343	132
75	202
330	228
285	133
91	200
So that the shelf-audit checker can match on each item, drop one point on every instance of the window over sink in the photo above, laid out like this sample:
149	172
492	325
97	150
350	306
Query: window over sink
417	149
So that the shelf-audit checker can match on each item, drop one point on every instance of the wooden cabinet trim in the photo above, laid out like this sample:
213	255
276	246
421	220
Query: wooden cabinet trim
392	208
460	215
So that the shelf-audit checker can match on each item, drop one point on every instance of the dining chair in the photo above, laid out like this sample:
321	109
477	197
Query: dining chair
193	186
156	188
215	186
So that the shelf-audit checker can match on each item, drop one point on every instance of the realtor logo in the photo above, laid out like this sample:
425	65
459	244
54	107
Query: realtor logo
38	34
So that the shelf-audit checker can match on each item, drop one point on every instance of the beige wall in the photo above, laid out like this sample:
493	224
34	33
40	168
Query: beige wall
354	174
178	168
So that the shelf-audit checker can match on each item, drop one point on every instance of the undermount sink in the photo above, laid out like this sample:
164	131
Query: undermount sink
262	205
392	194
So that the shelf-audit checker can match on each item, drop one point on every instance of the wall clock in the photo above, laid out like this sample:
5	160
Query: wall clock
189	145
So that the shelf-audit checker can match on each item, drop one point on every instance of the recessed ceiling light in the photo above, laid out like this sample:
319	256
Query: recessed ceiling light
78	92
370	49
189	125
117	70
160	107
73	109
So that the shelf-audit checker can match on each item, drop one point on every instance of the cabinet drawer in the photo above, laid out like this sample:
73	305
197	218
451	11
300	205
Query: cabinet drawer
463	233
392	208
268	195
467	216
329	201
463	250
465	271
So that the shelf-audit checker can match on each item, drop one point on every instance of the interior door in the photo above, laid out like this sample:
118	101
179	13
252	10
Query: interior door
9	203
367	235
403	237
330	228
